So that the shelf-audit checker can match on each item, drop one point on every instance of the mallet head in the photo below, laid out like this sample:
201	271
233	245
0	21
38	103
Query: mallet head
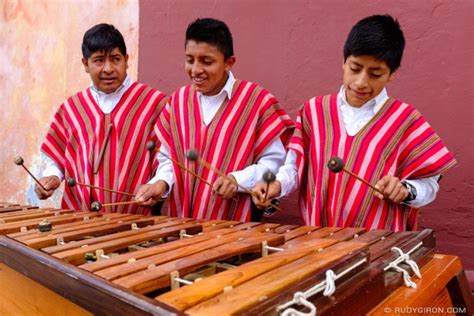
192	155
45	226
268	177
336	164
18	160
150	145
96	206
71	182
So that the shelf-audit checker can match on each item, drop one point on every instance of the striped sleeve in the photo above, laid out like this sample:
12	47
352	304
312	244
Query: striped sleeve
424	154
162	126
273	122
299	141
55	141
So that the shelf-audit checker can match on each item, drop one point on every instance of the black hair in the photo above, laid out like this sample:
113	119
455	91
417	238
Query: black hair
379	36
102	37
213	32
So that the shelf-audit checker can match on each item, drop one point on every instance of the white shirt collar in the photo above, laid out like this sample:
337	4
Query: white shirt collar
123	87
374	104
108	101
227	89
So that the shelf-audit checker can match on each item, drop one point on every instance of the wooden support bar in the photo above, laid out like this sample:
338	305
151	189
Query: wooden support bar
82	288
300	231
161	258
90	241
76	256
67	228
207	288
347	234
33	223
153	279
87	219
50	239
265	286
123	258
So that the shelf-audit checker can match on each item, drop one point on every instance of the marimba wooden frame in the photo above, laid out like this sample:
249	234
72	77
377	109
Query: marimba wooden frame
79	286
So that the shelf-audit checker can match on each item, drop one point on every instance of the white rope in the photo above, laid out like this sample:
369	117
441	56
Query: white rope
330	283
405	258
328	286
274	248
300	299
187	282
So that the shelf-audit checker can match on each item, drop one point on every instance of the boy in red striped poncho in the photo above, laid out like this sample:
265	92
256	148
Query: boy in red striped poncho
382	139
232	124
98	136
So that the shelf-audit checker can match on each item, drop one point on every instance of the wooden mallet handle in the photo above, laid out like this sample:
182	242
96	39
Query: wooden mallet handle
97	206
186	169
193	156
336	164
72	182
151	146
19	162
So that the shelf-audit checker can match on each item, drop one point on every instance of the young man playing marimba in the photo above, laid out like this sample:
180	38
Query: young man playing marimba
381	139
234	125
98	136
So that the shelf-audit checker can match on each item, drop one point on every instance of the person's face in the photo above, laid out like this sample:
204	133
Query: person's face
364	78
206	67
107	71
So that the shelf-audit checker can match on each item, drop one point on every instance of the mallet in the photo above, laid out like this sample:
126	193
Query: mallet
268	177
336	164
192	155
151	146
97	206
19	162
72	182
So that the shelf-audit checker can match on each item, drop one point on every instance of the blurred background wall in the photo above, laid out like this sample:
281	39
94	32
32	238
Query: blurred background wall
40	51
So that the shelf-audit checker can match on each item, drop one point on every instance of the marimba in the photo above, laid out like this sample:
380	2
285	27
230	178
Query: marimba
105	263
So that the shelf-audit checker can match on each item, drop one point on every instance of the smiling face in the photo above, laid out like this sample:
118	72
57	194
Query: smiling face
206	67
364	78
107	70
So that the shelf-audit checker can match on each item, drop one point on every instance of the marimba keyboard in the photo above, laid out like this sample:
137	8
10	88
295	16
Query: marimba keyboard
168	265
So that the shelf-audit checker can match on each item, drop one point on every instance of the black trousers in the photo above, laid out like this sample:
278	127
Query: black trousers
256	214
156	209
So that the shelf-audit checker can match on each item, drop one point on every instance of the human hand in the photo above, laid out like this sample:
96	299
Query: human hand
225	187
49	183
260	190
392	189
150	194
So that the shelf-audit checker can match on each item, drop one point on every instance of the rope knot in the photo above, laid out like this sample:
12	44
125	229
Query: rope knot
300	298
405	258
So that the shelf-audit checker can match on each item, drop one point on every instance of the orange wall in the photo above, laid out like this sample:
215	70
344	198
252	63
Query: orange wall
40	49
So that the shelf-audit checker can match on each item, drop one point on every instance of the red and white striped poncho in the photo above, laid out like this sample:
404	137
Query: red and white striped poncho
396	141
79	131
236	137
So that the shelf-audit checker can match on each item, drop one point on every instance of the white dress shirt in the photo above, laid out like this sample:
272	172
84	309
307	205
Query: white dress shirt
106	102
354	120
272	158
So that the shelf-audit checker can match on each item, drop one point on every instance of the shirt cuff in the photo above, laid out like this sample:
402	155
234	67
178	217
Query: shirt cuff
53	170
244	179
169	181
426	190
